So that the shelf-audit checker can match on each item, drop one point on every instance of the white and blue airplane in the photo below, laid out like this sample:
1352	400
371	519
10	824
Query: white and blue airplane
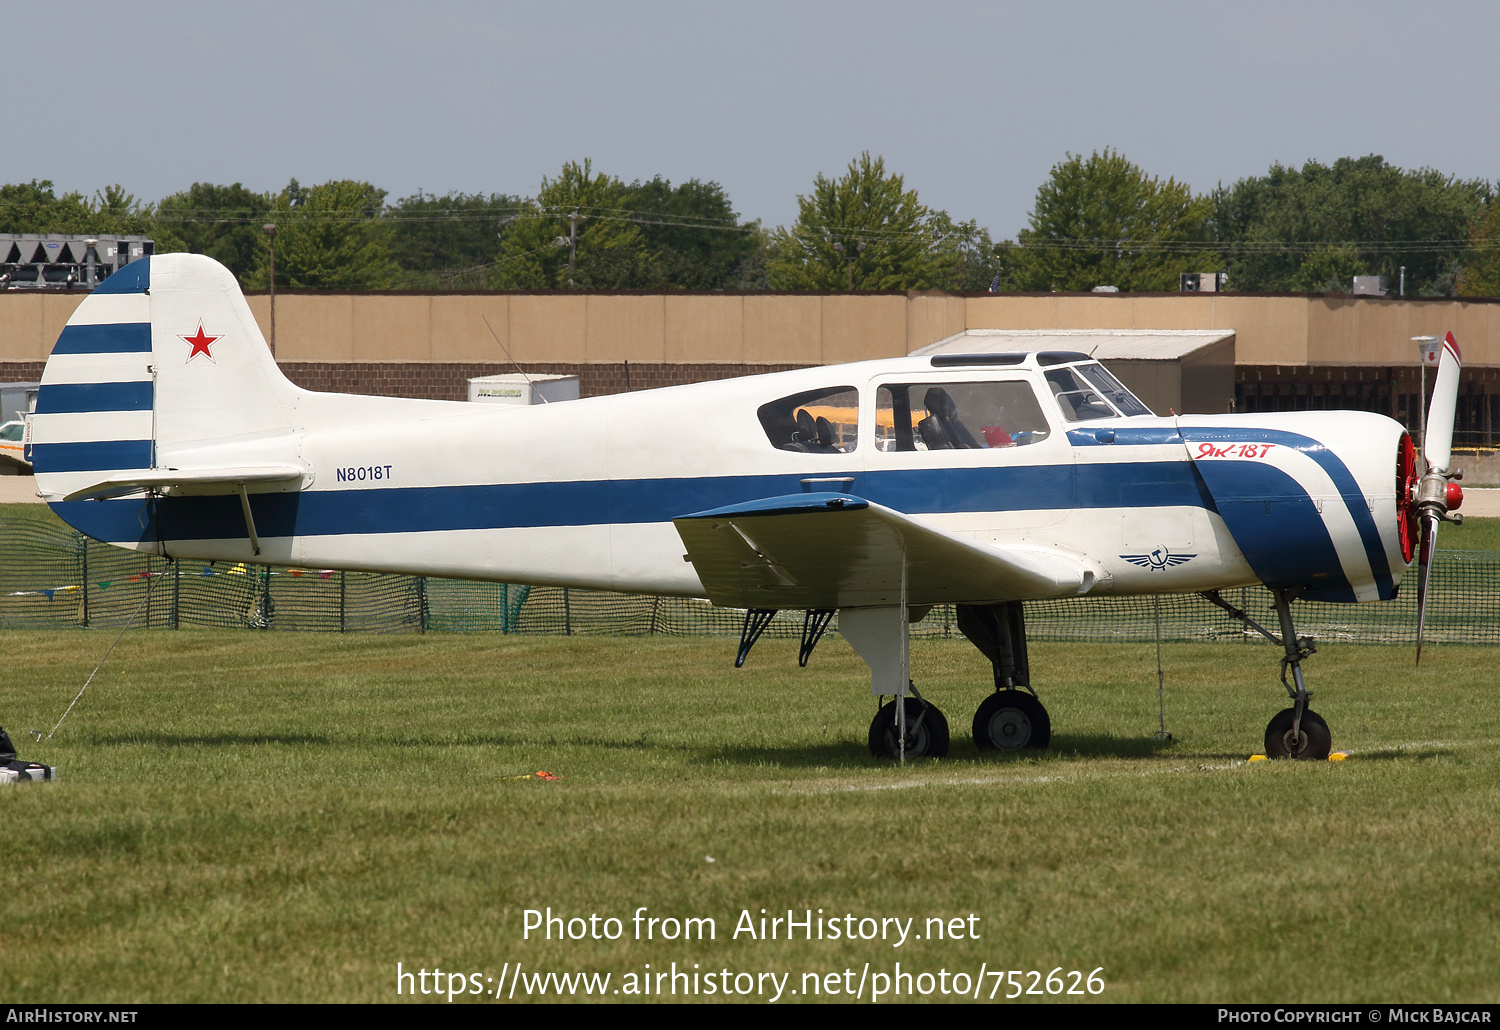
875	490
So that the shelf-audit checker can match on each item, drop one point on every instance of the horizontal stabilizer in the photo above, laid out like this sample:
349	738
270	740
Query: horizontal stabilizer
827	550
205	482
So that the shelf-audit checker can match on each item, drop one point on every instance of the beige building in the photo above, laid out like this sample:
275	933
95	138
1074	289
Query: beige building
1289	351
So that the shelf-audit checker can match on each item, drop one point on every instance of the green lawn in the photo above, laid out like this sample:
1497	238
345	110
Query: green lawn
283	817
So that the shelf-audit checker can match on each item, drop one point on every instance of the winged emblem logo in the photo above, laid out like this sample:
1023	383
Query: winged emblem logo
1159	559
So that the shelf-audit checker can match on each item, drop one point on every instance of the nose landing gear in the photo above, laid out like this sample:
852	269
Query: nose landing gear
1298	731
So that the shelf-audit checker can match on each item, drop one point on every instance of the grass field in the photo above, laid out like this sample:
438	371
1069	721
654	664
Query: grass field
284	817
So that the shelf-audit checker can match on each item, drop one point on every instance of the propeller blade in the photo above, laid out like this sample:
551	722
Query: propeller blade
1424	569
1437	445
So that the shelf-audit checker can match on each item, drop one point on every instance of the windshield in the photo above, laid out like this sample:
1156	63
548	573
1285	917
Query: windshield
1114	391
1078	400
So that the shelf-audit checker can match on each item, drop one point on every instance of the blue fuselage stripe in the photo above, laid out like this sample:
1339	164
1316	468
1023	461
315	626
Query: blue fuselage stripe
113	338
93	456
520	505
1230	484
57	398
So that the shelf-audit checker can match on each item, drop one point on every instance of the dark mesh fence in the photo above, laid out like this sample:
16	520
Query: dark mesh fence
52	577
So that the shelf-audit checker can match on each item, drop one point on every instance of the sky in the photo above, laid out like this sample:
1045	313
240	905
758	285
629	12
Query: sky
972	101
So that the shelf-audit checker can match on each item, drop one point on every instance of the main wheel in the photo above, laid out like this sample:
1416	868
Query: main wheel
1010	719
1313	742
929	739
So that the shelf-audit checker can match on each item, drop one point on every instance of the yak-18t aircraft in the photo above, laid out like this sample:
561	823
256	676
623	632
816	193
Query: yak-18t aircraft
875	490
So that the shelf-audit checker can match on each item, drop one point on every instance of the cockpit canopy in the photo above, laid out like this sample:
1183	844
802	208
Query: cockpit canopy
999	410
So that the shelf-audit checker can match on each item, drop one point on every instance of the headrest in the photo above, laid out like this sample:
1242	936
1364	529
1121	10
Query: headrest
806	427
939	403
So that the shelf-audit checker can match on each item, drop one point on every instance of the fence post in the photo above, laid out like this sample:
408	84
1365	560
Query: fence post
422	604
176	594
85	541
343	617
655	608
567	614
267	605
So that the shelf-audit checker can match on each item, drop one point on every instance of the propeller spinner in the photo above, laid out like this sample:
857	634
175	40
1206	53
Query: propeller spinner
1432	497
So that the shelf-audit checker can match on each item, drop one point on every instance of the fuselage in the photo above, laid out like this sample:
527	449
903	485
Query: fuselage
582	493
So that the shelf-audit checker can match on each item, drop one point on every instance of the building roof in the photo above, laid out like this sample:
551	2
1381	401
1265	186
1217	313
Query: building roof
1118	344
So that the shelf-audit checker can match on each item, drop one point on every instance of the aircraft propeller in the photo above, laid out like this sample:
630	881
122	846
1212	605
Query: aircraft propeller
1437	493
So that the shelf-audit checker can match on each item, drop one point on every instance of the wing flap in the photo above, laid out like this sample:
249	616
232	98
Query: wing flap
838	551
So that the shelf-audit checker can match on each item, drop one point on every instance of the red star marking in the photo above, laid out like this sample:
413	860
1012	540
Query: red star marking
200	341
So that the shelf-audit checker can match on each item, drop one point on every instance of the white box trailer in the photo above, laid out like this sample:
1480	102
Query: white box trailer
514	388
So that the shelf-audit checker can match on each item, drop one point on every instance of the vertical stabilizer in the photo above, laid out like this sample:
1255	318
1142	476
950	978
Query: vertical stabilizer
162	359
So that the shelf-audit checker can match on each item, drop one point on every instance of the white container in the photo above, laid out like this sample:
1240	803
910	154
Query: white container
514	388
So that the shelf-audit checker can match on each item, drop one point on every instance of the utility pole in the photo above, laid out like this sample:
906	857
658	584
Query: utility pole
1426	346
270	231
849	258
571	242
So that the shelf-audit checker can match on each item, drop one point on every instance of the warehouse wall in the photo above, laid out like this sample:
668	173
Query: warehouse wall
680	333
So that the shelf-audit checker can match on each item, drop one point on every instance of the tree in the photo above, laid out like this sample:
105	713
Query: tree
573	234
974	260
1481	272
449	242
329	236
692	238
589	230
1314	228
866	231
34	208
1101	221
223	222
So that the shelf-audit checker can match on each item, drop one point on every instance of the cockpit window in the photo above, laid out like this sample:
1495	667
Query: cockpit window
1114	391
822	421
1076	397
957	416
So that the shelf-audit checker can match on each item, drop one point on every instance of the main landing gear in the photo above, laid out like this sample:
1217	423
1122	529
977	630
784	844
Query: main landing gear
908	725
1011	717
925	729
1298	731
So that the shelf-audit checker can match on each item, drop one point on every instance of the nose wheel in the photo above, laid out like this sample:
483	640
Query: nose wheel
1310	740
1011	719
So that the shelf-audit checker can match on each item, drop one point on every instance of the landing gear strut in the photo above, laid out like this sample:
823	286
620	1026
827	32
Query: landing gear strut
1011	717
1298	731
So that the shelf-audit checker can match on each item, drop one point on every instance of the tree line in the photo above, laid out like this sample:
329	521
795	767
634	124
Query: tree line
1096	221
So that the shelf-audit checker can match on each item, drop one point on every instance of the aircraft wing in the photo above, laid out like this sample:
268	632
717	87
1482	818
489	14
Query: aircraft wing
824	550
